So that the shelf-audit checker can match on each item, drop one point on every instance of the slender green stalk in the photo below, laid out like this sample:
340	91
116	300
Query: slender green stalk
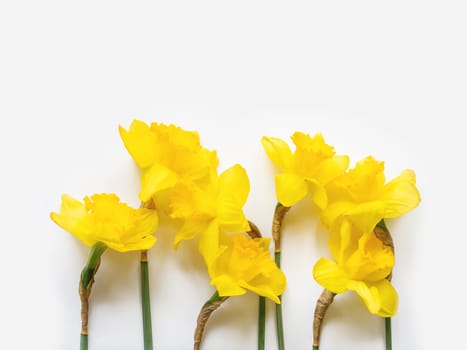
387	324
382	232
85	285
83	342
146	302
88	272
315	347
279	322
261	322
279	214
254	232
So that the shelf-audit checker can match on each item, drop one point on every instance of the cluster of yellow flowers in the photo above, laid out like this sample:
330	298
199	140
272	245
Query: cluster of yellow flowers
180	179
351	202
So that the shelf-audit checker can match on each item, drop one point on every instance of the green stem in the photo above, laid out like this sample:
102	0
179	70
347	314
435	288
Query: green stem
315	347
261	322
387	323
83	342
279	213
85	286
279	322
88	272
383	234
146	302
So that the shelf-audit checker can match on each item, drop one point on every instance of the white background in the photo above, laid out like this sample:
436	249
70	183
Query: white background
381	78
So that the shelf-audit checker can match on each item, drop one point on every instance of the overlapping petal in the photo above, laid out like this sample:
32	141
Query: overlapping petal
307	170
213	209
167	154
362	196
362	264
244	263
103	218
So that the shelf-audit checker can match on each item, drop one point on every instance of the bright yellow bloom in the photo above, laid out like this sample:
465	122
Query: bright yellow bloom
362	196
361	264
212	209
243	263
103	218
167	154
308	170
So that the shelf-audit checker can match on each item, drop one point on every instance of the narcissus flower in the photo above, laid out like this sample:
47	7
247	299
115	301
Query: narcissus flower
102	218
308	170
167	154
245	264
361	264
362	195
209	210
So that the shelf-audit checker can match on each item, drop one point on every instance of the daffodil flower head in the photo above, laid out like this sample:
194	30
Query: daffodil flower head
103	218
244	264
167	154
212	209
361	264
362	195
313	165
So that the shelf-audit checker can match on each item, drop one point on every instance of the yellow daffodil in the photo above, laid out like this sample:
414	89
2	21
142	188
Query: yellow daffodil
102	218
211	209
362	195
242	263
361	264
308	170
167	154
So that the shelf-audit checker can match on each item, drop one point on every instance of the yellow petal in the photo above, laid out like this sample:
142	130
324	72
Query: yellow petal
226	286
278	151
290	189
155	179
208	243
234	183
389	298
234	187
70	218
233	192
380	298
333	212
343	240
330	276
140	143
103	218
365	216
329	169
318	193
189	230
369	295
400	195
139	243
270	286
